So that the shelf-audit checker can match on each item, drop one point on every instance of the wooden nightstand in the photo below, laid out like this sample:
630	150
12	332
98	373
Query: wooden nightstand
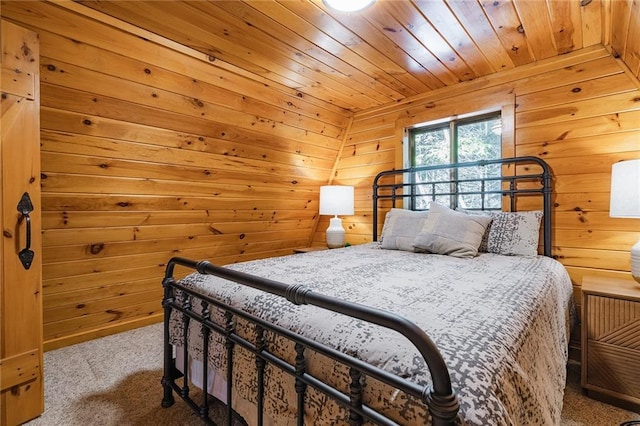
309	249
611	340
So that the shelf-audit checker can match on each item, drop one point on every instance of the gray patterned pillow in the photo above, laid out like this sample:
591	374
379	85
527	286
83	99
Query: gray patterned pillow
452	233
514	233
401	227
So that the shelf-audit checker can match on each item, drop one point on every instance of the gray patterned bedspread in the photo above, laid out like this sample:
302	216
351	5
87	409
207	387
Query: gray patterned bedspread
500	322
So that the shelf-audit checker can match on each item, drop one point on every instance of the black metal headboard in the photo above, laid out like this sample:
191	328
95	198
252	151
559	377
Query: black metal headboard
479	185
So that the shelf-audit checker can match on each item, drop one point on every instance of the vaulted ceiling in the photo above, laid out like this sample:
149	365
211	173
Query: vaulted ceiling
391	50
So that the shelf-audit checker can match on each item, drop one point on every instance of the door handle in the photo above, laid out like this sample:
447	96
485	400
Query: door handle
25	207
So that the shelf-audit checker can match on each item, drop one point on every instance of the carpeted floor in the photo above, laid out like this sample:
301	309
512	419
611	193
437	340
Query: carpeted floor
115	380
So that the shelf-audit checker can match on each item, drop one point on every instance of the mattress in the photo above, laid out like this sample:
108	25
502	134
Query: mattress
501	324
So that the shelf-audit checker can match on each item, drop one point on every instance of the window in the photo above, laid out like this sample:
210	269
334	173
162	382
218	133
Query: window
457	141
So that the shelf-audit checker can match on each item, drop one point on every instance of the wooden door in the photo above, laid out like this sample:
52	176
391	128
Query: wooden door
21	381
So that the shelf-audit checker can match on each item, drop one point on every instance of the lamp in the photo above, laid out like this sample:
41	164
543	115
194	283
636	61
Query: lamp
625	201
348	5
335	200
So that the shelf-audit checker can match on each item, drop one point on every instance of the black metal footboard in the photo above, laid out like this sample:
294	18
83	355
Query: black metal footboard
440	400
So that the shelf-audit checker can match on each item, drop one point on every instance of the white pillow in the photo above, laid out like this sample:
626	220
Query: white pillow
452	233
400	228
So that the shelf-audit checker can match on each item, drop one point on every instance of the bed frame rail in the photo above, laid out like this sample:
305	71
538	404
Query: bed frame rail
440	399
405	185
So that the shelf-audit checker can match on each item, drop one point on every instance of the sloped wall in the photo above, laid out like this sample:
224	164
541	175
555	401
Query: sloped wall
149	150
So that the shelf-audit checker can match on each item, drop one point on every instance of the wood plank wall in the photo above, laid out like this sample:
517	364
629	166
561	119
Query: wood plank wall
580	112
149	151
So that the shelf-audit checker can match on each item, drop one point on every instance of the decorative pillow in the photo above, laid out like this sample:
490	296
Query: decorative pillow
485	237
449	232
401	227
514	233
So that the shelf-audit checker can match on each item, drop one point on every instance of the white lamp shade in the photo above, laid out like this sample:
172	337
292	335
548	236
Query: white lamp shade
625	201
336	200
625	189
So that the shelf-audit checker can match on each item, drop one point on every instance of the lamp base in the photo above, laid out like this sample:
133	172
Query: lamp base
635	262
335	233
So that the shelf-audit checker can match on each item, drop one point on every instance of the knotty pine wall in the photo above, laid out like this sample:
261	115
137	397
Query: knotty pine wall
149	151
580	112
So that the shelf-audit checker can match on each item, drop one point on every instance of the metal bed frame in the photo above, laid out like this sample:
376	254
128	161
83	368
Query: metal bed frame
536	184
439	398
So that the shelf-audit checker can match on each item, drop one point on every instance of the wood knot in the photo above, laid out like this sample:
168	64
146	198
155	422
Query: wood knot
26	51
117	314
96	248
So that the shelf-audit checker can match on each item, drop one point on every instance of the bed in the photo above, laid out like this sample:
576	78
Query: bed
452	318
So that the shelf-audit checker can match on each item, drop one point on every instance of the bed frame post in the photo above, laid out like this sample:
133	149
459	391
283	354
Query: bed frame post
443	408
206	317
186	304
300	386
355	389
260	366
375	209
229	329
168	376
546	185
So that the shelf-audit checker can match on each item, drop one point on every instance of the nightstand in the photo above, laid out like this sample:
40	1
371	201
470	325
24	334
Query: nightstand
309	249
611	340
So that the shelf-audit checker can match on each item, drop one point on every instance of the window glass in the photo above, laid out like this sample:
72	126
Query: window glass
458	141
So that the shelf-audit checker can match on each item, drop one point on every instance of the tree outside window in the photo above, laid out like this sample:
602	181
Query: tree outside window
458	141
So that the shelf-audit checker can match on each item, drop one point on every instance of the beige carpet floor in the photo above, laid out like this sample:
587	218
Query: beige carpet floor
115	380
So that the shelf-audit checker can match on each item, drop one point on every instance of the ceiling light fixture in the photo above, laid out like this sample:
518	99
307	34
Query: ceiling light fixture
348	5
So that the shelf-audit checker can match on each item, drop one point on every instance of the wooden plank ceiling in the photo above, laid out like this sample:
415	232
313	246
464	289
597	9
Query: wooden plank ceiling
388	52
